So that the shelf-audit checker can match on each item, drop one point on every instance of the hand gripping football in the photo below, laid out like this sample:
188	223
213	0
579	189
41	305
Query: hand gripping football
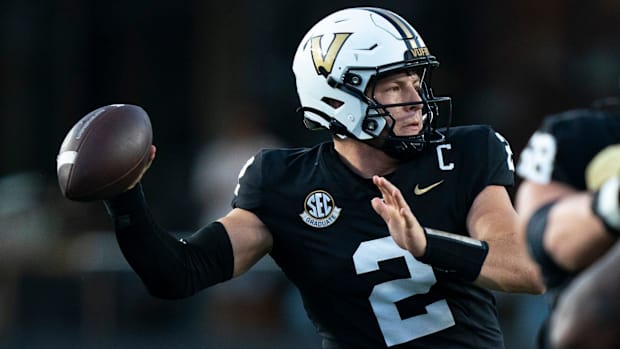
104	152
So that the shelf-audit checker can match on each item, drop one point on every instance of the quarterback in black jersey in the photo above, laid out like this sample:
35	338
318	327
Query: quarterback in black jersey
394	232
569	203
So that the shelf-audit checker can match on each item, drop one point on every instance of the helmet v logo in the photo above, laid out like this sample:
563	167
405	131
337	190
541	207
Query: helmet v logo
323	63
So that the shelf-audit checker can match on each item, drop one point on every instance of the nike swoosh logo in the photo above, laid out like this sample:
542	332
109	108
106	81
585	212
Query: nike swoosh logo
420	191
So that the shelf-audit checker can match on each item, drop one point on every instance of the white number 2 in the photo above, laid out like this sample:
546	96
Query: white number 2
384	296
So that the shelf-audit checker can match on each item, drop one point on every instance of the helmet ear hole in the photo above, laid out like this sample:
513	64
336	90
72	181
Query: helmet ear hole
334	103
338	128
312	125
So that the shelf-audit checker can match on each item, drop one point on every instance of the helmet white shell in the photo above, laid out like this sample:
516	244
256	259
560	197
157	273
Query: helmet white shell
338	58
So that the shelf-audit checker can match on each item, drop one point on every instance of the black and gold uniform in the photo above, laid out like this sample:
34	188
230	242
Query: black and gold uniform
359	288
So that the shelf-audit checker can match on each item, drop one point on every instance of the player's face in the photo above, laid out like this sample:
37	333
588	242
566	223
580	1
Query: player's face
402	88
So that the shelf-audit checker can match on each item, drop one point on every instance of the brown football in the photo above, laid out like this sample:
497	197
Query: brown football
104	152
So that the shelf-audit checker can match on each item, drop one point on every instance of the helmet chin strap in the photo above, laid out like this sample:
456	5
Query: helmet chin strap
399	147
406	147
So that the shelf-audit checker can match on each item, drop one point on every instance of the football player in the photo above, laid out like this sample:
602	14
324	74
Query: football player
395	232
568	199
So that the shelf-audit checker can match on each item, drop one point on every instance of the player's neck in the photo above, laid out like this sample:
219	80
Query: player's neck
364	159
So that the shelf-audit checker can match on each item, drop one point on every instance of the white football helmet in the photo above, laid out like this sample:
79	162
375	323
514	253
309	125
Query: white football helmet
342	56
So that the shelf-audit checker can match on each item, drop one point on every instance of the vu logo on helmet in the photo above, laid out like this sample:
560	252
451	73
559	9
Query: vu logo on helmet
323	63
324	60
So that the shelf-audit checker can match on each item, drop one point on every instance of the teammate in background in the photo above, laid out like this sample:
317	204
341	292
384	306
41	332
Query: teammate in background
395	232
568	200
588	312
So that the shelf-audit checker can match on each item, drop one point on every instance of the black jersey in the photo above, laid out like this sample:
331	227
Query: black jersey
562	147
359	288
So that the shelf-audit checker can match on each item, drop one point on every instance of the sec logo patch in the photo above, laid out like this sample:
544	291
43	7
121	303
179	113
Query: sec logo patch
320	210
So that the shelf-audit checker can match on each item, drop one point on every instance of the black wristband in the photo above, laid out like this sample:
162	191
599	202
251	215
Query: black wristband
455	255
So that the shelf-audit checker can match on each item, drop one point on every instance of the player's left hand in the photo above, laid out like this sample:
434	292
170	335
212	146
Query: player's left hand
403	225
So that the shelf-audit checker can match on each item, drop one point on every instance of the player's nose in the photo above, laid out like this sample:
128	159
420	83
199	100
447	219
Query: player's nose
413	95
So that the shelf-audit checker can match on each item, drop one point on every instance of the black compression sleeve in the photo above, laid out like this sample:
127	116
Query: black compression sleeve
168	267
553	274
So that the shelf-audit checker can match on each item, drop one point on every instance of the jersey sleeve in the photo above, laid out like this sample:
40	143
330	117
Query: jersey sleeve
500	167
248	193
489	162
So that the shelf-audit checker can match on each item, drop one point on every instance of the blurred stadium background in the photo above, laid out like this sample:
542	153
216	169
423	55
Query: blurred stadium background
215	78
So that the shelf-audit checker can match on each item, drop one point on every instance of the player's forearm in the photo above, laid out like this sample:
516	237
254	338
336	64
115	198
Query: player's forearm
168	267
567	235
494	264
574	236
509	268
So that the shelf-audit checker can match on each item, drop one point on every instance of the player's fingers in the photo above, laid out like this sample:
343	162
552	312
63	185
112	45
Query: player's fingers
381	208
379	183
385	183
404	209
400	200
146	167
153	152
386	188
408	217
